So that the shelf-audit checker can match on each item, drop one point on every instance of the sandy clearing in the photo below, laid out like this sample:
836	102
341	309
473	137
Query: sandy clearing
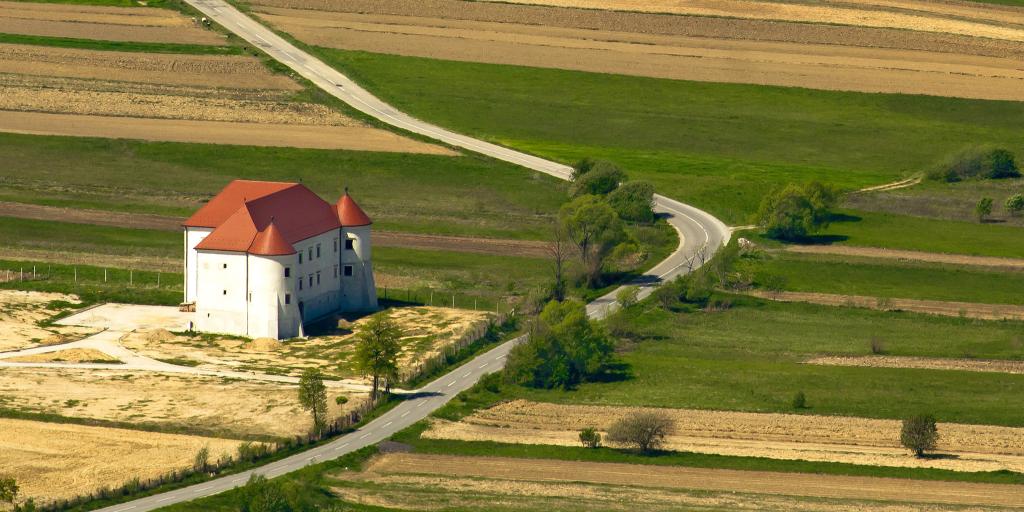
355	138
927	363
896	254
931	307
20	312
54	461
231	71
868	14
74	355
782	436
673	477
827	67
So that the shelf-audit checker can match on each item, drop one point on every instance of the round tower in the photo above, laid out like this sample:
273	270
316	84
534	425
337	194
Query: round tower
358	289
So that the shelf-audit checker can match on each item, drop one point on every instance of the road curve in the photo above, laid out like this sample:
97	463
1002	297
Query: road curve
700	234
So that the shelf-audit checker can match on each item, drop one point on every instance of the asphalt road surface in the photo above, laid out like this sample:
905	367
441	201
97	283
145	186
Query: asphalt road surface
700	236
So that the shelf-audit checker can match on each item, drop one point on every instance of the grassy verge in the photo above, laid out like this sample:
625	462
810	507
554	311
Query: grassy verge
888	278
120	46
715	145
87	282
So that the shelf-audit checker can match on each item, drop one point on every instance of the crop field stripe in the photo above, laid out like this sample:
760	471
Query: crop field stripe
120	46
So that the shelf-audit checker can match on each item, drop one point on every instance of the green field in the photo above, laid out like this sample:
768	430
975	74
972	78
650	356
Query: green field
716	145
62	237
887	278
120	46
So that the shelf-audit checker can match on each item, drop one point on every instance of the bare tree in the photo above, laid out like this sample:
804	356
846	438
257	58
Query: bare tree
645	431
559	249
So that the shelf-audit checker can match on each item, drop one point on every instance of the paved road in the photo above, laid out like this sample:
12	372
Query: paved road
700	233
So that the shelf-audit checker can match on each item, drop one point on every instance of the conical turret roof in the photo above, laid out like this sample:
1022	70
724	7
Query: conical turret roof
270	242
350	214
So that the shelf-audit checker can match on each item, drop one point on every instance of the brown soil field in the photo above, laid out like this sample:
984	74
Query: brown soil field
928	363
426	330
208	405
895	254
137	24
828	67
19	313
73	355
781	436
355	138
931	307
616	486
53	461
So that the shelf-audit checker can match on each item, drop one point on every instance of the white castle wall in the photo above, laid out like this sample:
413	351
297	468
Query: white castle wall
192	238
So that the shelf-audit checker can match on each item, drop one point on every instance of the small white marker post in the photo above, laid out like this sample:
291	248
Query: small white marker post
104	275
131	277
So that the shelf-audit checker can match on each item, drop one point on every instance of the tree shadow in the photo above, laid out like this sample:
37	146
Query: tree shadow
940	456
616	371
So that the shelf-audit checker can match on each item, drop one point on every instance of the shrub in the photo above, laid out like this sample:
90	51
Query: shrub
990	163
590	438
627	296
1015	204
877	345
983	209
645	431
8	489
794	212
799	400
341	399
634	201
202	460
600	179
919	434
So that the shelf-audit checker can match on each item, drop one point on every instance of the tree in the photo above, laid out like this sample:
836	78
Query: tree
262	495
645	431
919	434
595	228
983	209
1015	204
564	348
977	162
633	201
582	167
794	212
627	296
558	248
379	343
600	179
202	460
590	438
799	400
313	397
8	489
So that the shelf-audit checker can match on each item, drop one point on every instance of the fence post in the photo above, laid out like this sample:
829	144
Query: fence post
131	277
158	279
76	275
33	271
431	297
104	275
453	301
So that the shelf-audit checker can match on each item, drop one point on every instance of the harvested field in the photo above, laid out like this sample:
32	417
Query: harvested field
896	254
426	331
136	24
53	461
74	355
20	313
408	479
356	138
781	436
63	257
931	307
925	363
194	404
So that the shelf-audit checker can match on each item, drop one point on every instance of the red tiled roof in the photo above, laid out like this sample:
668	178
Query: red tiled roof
350	214
268	218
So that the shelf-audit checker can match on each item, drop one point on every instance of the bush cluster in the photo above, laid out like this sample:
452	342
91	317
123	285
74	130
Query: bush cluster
978	162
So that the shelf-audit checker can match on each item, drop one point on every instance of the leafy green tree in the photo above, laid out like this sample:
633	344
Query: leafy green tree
601	178
565	348
8	489
262	495
633	201
627	296
590	438
919	434
1015	204
582	167
313	397
794	212
595	228
377	350
978	162
983	209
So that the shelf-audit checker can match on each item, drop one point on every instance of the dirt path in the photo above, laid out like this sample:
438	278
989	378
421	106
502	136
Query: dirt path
896	254
822	66
927	363
896	185
931	307
792	484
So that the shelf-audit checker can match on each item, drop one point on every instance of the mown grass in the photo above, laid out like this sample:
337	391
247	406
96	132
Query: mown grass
120	46
749	358
887	278
65	237
466	195
718	146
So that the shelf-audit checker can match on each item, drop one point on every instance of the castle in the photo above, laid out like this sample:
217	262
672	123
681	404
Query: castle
263	258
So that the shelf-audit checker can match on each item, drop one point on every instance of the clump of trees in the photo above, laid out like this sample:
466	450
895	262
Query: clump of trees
796	211
978	162
564	349
313	397
983	209
645	431
919	434
377	348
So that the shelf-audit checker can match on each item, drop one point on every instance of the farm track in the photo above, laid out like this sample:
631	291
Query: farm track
930	307
896	254
789	484
923	363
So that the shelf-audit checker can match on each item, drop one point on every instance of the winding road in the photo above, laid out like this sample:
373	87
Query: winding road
700	236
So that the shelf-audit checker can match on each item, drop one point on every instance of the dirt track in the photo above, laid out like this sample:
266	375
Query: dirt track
895	254
137	24
931	307
928	363
791	484
781	436
704	49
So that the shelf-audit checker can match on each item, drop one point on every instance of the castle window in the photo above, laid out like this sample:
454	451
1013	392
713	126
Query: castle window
287	298
225	292
300	258
318	250
335	245
300	283
350	244
225	265
310	254
318	278
311	280
287	271
348	270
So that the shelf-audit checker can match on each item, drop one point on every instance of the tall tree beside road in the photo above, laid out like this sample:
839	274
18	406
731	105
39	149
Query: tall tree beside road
558	248
377	351
313	397
596	229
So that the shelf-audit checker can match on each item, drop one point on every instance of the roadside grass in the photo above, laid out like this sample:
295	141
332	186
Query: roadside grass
120	46
694	140
749	358
887	278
